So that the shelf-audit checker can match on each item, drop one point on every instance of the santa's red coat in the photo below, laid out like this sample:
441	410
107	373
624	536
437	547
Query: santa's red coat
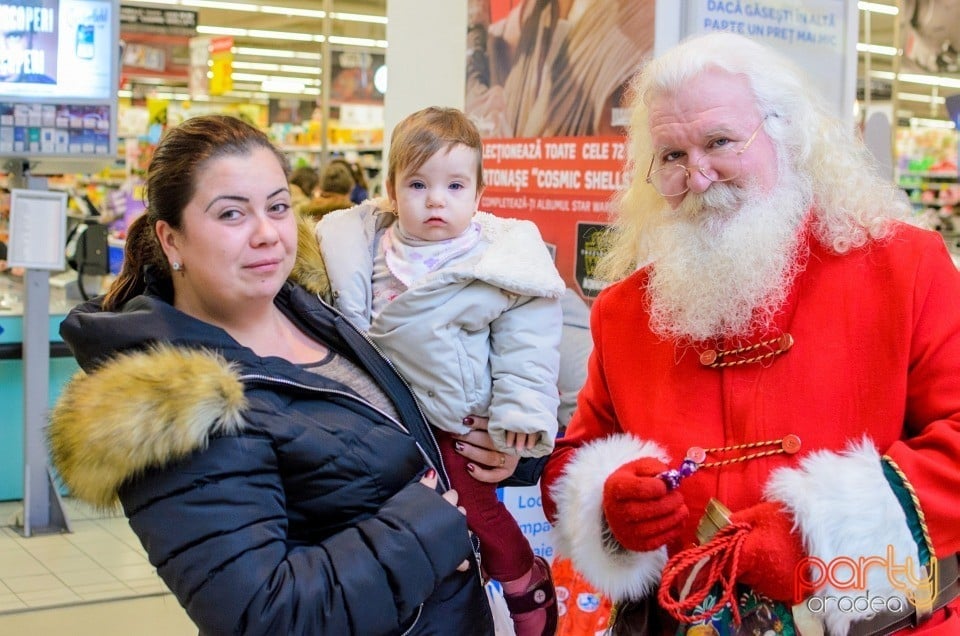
874	370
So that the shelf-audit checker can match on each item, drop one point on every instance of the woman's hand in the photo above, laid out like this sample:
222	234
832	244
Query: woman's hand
487	464
430	480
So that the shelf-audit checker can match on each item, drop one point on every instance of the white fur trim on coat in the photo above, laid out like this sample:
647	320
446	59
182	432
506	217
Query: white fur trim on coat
581	530
844	507
517	258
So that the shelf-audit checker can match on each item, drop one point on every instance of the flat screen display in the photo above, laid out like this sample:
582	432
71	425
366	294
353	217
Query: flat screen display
58	48
58	77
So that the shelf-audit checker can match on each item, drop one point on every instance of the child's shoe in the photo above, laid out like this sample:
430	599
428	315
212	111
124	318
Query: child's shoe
534	610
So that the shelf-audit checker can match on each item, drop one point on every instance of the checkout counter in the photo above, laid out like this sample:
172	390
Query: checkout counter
62	367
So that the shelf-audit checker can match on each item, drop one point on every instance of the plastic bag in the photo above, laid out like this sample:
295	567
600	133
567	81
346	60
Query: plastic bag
583	611
502	623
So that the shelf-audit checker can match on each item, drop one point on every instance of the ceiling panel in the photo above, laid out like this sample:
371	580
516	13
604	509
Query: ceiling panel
256	19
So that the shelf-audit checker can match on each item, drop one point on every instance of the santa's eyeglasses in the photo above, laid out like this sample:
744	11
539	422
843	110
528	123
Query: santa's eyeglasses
718	164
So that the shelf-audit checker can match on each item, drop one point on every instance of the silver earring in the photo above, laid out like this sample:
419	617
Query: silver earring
176	266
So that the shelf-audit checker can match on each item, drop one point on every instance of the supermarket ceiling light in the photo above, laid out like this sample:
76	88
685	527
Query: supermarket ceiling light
876	49
291	37
931	123
287	89
223	6
359	17
931	80
294	55
282	85
874	7
275	79
271	9
918	97
275	68
205	30
300	13
912	78
284	35
257	33
339	39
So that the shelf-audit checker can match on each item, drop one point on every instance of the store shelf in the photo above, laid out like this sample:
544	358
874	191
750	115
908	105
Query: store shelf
931	189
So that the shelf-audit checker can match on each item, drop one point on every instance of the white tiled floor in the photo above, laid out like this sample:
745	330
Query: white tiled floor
100	560
140	615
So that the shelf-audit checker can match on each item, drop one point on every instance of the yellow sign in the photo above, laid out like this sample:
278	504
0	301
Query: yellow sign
221	65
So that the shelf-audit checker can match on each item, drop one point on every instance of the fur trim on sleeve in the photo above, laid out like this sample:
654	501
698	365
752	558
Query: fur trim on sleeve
581	531
845	509
138	410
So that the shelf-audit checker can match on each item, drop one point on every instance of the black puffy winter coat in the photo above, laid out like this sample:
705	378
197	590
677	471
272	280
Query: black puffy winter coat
270	499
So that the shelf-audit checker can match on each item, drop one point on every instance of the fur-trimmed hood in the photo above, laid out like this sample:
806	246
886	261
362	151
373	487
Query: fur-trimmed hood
309	270
172	400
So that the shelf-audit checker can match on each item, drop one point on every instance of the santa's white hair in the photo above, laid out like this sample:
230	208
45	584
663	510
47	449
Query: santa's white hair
852	202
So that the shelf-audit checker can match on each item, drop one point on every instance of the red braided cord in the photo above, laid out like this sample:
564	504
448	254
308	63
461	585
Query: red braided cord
723	561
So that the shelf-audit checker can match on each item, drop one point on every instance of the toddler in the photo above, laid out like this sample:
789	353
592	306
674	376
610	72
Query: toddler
466	305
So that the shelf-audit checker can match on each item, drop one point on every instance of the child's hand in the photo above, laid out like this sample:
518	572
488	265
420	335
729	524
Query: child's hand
521	441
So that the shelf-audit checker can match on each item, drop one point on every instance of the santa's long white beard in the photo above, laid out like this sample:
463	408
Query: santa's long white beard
725	260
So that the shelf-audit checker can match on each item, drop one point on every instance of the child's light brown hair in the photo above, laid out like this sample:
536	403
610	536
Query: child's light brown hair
421	135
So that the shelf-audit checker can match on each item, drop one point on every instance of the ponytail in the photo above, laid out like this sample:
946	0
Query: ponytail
142	249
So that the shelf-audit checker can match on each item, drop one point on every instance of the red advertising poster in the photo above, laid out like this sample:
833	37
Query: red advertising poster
564	185
545	85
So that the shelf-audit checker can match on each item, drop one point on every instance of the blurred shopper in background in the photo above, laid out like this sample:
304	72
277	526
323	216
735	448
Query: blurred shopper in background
303	182
361	186
336	184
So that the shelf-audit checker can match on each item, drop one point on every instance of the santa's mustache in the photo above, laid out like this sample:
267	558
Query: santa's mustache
725	259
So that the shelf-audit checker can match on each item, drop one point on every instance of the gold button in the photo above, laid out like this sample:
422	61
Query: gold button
708	357
790	444
696	454
786	341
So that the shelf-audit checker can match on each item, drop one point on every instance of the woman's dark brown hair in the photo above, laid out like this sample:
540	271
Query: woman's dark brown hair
171	183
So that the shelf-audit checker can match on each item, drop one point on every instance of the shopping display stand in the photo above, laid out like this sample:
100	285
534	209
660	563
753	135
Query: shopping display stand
59	117
37	229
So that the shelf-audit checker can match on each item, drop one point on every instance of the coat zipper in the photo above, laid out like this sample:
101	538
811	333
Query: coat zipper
416	402
268	379
474	539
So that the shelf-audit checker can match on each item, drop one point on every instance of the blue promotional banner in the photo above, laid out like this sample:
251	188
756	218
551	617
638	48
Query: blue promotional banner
526	506
820	36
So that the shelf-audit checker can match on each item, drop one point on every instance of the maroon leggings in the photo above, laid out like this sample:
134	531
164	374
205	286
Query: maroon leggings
504	552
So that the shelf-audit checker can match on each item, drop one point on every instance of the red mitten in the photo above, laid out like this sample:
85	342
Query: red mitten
641	513
770	552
